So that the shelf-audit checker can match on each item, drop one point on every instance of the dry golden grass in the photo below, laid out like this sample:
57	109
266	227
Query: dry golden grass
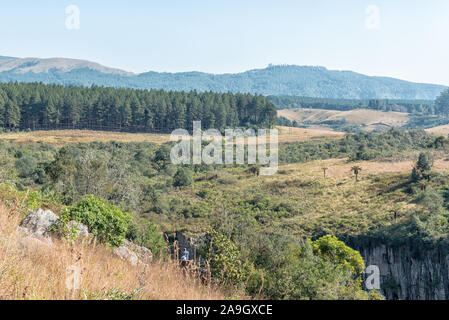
36	270
371	118
338	202
340	168
65	137
440	130
287	134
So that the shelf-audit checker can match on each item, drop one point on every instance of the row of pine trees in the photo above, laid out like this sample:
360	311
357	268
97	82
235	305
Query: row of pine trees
34	106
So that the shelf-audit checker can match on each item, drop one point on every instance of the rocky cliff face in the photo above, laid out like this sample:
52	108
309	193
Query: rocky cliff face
406	275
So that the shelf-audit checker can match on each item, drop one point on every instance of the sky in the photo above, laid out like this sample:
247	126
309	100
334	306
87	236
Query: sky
406	39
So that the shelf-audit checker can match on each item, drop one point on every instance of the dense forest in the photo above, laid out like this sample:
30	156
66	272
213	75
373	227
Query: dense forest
280	80
410	106
36	106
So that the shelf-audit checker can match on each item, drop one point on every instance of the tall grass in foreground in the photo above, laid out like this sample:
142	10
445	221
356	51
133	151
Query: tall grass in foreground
35	270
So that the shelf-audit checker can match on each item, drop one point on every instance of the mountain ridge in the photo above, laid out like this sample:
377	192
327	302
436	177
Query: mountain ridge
293	80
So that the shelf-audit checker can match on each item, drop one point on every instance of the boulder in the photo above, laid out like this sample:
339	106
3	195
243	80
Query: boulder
134	253
126	254
37	223
79	230
144	254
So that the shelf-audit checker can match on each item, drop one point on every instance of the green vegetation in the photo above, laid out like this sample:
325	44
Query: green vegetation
360	146
144	233
280	80
262	223
106	222
409	106
442	103
37	106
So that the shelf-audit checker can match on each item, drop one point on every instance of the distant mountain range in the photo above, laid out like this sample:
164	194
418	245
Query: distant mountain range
282	80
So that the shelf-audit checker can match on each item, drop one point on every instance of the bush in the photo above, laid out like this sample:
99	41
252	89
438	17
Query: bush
7	170
308	272
105	221
330	248
26	166
224	256
182	178
144	233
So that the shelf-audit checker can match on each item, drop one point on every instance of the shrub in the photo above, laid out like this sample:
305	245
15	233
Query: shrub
26	166
144	233
113	294
330	248
182	178
224	256
309	271
105	221
7	170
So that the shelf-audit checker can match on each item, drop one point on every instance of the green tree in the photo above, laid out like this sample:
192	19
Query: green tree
356	170
330	248
423	163
422	168
183	178
144	233
442	103
224	258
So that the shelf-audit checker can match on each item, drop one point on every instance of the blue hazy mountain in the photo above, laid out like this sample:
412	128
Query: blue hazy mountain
289	80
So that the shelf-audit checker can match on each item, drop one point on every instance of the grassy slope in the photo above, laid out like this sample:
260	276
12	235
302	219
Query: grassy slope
370	118
37	271
440	130
336	205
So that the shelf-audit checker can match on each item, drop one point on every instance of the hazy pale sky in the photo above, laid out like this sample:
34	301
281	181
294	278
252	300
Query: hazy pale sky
407	39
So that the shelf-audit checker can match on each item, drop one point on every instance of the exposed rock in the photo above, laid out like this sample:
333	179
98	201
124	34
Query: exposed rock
37	224
133	253
126	254
145	255
187	242
405	275
79	230
23	231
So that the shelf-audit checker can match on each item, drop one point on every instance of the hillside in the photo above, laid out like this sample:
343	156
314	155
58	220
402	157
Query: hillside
274	80
259	219
35	65
36	269
370	120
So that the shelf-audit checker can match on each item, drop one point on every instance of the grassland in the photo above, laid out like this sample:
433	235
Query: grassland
314	205
369	119
66	137
440	130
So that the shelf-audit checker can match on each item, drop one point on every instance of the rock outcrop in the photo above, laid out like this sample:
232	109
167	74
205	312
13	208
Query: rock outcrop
78	230
406	275
37	224
126	254
133	253
36	232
